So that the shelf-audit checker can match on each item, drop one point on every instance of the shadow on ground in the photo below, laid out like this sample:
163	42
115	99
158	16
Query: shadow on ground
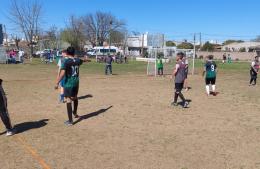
22	127
96	113
85	96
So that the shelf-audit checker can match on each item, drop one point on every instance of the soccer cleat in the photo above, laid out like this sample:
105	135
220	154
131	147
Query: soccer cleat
68	123
186	104
10	132
174	104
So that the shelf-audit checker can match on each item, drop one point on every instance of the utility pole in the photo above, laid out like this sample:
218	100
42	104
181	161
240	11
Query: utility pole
194	54
200	39
142	51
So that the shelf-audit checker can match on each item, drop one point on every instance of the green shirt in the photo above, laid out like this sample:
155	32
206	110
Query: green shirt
159	63
71	67
210	68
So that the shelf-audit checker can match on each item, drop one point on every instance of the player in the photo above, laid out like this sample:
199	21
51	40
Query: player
254	71
179	74
211	71
159	63
60	62
70	70
108	61
4	112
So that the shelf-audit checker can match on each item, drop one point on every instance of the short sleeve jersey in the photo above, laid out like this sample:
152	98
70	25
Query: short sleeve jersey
181	72
71	67
159	63
211	68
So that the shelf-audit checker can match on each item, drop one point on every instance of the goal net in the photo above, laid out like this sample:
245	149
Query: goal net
168	56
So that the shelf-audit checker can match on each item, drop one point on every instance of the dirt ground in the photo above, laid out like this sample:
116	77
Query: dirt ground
128	123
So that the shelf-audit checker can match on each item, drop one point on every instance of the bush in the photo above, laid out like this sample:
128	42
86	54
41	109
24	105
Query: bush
242	50
201	57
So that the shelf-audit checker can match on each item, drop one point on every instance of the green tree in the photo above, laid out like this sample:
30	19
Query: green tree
185	45
242	50
227	42
170	43
207	47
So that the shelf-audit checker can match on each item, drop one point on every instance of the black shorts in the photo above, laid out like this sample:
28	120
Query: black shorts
210	81
178	87
71	92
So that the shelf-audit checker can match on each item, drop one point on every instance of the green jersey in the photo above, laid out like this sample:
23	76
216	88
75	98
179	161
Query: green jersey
159	63
71	67
210	68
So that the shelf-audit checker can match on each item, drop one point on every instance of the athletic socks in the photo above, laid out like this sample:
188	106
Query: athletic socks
176	95
75	108
61	97
207	90
182	97
69	110
213	88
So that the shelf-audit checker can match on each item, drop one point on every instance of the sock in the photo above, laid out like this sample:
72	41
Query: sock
69	109
176	97
213	88
207	89
75	108
182	97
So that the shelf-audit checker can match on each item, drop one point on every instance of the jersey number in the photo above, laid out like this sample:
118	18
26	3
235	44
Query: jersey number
75	70
212	68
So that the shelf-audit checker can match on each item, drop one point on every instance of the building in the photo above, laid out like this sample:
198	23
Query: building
243	46
140	43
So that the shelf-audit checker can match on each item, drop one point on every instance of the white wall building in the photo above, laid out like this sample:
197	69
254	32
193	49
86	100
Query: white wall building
236	47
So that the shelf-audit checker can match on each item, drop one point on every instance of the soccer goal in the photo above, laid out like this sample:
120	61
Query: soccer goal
160	56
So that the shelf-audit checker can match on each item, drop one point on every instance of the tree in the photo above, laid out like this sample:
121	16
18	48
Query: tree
207	47
26	15
98	26
170	43
227	42
73	33
117	37
50	38
185	45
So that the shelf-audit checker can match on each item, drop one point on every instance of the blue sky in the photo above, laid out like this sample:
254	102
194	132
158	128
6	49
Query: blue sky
178	19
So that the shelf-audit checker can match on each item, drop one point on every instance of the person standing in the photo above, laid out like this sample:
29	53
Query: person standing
61	84
179	74
4	112
70	70
254	71
210	69
108	62
159	64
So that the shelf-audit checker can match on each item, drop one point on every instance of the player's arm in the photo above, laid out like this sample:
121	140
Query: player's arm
175	70
204	71
59	78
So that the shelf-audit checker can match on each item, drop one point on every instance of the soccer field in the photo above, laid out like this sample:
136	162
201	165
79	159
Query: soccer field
127	121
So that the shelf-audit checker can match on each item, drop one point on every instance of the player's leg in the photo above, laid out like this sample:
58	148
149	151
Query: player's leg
67	94
207	86
110	68
185	103
75	102
213	85
106	69
176	94
4	113
251	77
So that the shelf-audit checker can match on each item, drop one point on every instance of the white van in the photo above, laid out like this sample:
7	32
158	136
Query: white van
102	51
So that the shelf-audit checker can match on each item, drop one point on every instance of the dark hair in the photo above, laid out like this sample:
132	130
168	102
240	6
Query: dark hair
71	51
1	82
181	54
210	57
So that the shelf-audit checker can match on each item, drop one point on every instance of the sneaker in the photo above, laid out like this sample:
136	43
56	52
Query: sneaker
68	123
186	104
10	132
174	104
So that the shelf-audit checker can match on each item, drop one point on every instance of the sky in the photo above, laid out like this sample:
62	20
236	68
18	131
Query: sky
177	19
